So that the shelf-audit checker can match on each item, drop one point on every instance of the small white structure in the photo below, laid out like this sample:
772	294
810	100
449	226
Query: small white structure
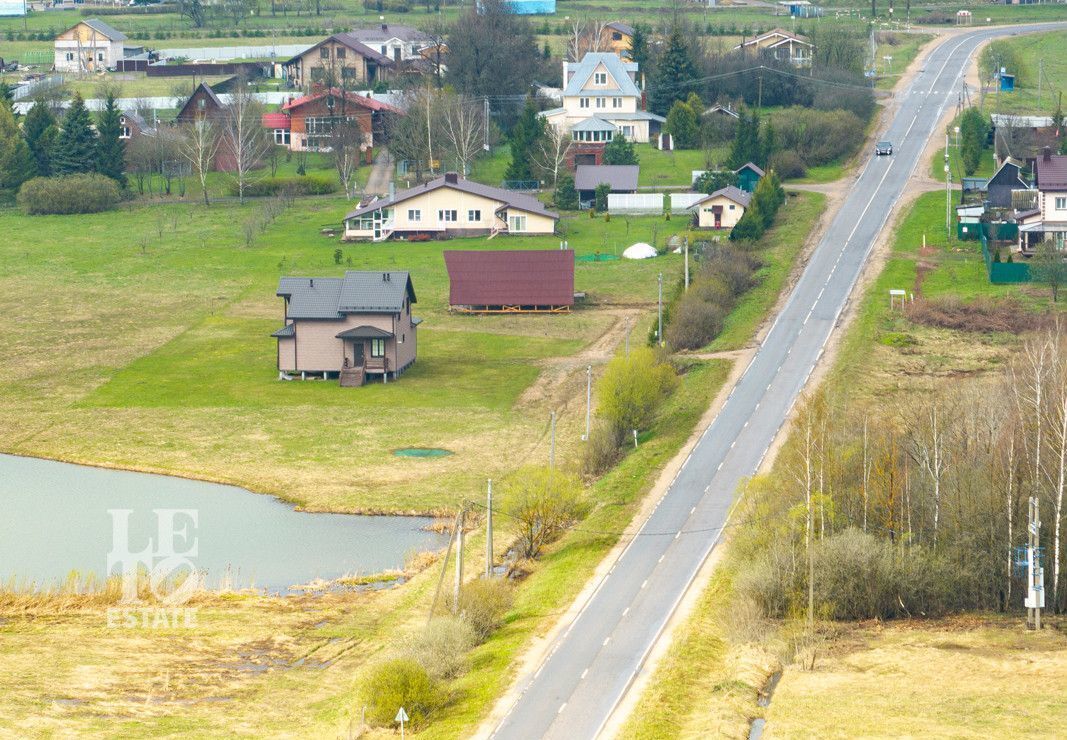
640	251
89	46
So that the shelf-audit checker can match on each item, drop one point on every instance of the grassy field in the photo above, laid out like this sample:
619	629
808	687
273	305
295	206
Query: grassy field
903	48
165	316
1036	52
986	167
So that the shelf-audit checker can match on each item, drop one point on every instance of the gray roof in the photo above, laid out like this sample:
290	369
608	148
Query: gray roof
621	177
352	43
617	70
289	330
594	123
356	292
623	27
641	115
100	27
750	166
510	198
729	192
384	32
365	332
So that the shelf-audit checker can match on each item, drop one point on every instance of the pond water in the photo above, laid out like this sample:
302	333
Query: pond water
56	518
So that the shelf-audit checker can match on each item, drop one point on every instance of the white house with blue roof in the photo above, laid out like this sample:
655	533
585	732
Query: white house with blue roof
602	99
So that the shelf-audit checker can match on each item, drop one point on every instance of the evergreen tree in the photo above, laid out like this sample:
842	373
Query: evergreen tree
747	146
683	127
525	135
110	149
620	150
75	147
973	135
16	162
750	226
768	145
674	71
40	131
639	51
7	93
768	198
566	196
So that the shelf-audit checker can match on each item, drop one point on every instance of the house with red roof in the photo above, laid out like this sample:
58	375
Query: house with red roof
1048	220
510	281
305	123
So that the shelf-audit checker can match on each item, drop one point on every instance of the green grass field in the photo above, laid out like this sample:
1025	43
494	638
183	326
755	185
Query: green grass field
1037	53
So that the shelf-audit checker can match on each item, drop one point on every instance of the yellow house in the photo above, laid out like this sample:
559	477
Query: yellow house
89	46
450	206
722	209
617	37
782	45
603	86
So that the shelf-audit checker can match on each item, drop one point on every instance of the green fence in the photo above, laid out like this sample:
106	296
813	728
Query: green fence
1001	231
1004	272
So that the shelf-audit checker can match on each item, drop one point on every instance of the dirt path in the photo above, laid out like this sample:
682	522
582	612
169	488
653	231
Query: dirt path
381	174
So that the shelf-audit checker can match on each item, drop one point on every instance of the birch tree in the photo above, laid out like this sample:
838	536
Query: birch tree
346	142
244	140
551	152
463	125
199	146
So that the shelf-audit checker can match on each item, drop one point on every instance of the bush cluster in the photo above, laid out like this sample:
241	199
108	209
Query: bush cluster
762	209
400	682
788	164
725	273
85	193
819	137
308	185
981	315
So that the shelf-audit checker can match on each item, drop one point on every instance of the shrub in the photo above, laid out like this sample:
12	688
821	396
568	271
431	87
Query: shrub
600	196
83	193
294	185
788	164
483	604
982	314
713	180
566	197
442	647
400	682
632	389
543	501
819	136
601	449
694	323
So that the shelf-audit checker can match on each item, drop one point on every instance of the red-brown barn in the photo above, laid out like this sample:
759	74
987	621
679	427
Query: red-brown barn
511	280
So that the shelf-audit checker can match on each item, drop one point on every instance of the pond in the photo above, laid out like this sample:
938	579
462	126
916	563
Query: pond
59	518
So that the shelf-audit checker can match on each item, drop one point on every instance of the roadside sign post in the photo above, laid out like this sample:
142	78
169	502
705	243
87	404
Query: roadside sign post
401	717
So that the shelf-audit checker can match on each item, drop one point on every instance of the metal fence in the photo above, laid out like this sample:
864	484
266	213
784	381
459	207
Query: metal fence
28	89
1003	272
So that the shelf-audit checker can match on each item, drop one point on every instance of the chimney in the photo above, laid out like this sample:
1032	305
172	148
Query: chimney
1047	154
385	26
385	277
311	282
451	177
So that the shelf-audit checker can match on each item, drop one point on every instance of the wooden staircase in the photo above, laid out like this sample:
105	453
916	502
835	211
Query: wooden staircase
352	376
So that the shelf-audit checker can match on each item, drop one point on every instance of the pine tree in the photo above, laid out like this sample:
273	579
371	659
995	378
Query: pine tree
620	150
7	93
16	162
110	149
40	130
683	126
566	196
527	131
746	147
768	145
75	148
639	51
674	71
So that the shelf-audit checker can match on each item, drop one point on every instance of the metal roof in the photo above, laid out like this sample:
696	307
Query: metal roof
616	69
594	123
508	198
385	32
621	177
356	292
750	166
730	193
538	277
365	332
100	27
1051	172
289	330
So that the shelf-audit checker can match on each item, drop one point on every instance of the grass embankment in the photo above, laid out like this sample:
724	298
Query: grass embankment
1035	52
164	318
903	48
986	166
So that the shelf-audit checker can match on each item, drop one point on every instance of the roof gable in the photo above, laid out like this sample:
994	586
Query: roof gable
360	100
507	198
356	292
106	30
354	44
606	62
204	92
730	192
538	277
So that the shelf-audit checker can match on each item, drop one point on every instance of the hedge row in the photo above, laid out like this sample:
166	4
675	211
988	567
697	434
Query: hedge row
293	185
90	193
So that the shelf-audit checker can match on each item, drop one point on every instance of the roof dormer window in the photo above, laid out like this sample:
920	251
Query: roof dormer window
600	78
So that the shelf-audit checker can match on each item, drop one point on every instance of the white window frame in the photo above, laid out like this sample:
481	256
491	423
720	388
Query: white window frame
377	348
448	216
616	102
583	103
600	78
1061	203
474	215
124	132
282	136
601	102
517	223
414	215
70	56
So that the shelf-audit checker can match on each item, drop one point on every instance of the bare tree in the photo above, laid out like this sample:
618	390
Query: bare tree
550	155
244	139
577	43
199	146
346	145
927	440
463	125
596	33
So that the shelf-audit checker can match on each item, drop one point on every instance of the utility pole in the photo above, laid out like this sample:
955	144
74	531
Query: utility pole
1040	74
659	330
485	126
489	531
444	569
948	192
1035	574
588	401
459	559
759	99
552	444
686	243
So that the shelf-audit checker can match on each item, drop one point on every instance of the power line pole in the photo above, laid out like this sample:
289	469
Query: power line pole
489	531
1035	574
444	569
686	243
1040	74
459	558
552	444
659	330
948	192
588	401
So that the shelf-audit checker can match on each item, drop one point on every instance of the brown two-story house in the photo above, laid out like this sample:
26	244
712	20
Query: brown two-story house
338	61
347	328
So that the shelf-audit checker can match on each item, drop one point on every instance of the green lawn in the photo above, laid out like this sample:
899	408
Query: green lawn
674	168
903	48
986	166
1036	52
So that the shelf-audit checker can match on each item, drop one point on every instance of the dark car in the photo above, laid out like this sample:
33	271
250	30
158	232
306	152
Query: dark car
883	147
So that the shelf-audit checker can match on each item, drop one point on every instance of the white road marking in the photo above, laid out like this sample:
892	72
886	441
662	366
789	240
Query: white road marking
584	674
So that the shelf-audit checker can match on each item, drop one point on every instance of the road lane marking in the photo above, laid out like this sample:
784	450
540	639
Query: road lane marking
562	707
584	674
644	583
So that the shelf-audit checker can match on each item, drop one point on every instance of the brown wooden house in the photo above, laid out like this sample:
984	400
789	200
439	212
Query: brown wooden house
347	328
339	60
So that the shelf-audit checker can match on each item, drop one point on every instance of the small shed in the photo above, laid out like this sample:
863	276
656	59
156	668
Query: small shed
748	176
510	281
1007	81
620	178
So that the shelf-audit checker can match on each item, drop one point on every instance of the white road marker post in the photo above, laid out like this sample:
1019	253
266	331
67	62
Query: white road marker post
401	717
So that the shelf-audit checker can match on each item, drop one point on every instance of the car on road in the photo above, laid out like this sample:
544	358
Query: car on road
883	147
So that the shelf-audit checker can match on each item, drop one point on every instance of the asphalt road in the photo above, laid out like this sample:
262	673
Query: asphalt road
589	669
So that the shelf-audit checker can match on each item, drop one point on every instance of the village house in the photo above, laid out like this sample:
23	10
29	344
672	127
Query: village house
449	206
602	99
306	123
1007	179
348	328
340	60
89	46
132	125
398	43
781	45
722	209
617	37
1048	221
204	103
510	281
620	179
